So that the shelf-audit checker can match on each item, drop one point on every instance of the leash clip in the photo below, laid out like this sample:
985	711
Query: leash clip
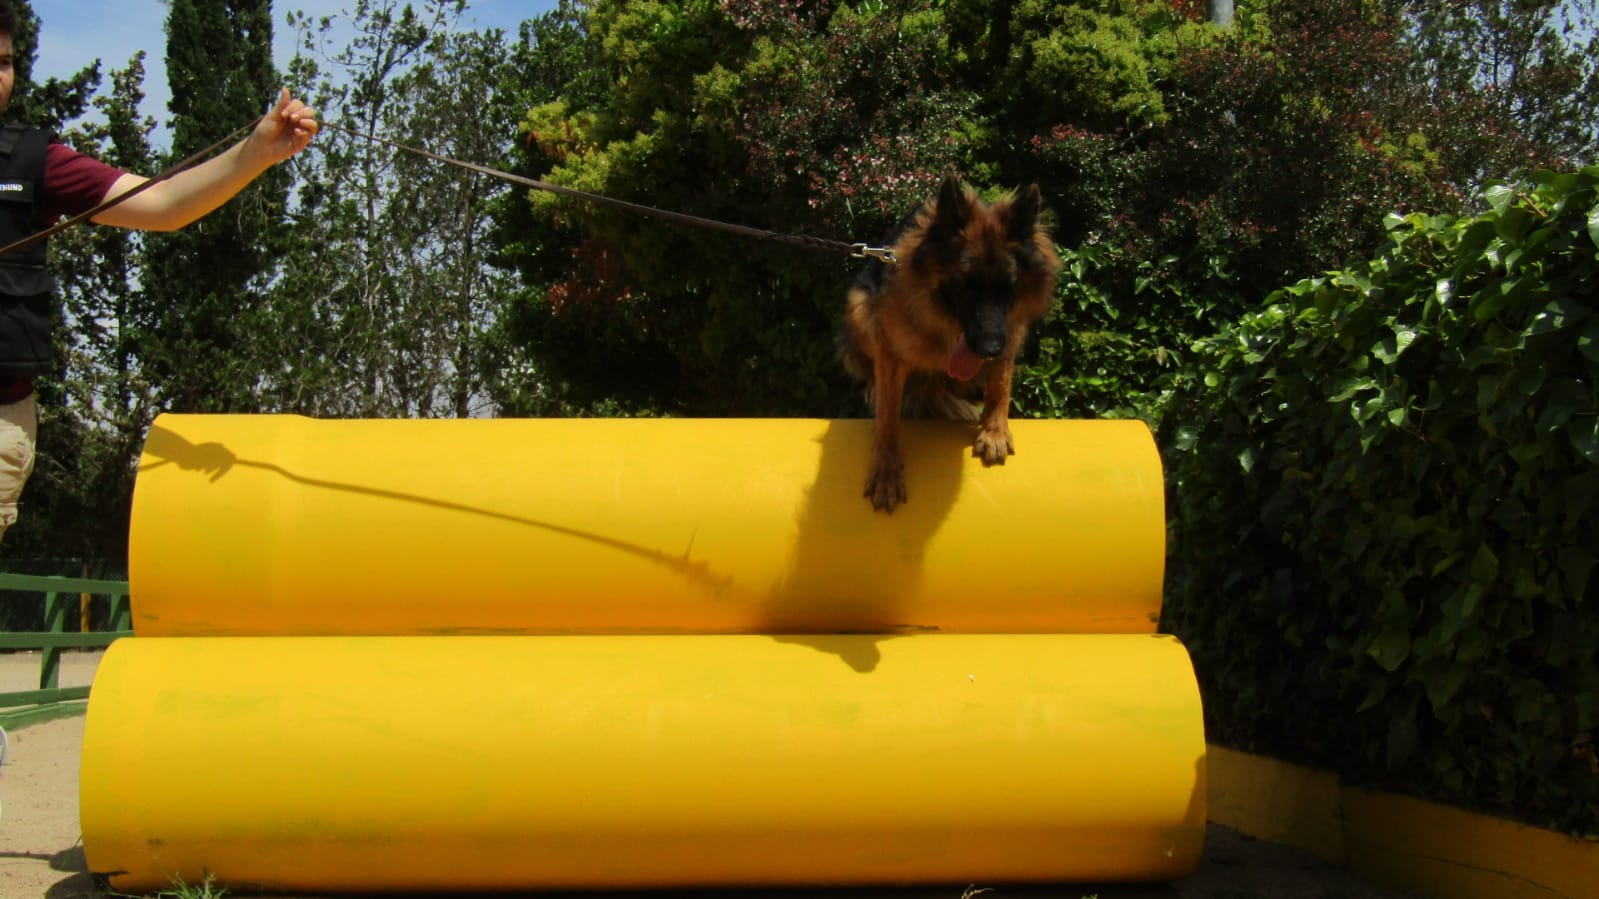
881	254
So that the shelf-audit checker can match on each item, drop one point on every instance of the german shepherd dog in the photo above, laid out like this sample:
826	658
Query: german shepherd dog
970	281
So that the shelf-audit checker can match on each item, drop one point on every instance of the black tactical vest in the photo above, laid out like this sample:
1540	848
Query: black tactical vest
27	289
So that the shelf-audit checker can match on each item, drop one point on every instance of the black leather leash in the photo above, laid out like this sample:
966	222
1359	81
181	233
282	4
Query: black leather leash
857	250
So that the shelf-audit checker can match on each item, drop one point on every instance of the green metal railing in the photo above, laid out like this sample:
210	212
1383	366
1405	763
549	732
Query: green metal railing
65	600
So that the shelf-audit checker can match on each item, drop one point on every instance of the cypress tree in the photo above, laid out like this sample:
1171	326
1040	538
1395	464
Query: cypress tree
56	101
201	282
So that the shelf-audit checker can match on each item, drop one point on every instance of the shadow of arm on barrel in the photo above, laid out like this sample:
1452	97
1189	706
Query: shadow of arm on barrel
216	460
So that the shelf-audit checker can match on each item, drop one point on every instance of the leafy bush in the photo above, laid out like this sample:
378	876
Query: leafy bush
1385	511
1278	147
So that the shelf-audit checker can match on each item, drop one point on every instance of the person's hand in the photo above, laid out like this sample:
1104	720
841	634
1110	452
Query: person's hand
195	192
285	131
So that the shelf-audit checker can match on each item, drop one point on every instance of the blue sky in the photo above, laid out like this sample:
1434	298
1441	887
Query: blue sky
75	32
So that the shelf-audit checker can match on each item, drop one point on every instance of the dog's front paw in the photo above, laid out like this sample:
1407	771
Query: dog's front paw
885	483
993	445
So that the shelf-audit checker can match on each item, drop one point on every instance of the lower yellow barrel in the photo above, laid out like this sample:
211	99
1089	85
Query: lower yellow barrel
463	763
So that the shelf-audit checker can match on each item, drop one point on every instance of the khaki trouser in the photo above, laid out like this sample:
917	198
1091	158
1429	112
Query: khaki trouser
19	430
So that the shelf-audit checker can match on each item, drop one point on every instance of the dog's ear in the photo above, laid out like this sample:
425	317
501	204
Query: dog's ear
1024	213
951	193
952	209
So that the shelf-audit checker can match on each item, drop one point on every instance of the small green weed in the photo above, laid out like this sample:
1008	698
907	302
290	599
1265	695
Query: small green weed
206	889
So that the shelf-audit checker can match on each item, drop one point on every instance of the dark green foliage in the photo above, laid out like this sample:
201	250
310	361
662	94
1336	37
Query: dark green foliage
794	117
53	103
1385	511
1190	172
199	281
1285	141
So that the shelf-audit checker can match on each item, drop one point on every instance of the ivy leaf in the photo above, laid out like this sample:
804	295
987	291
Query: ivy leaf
1559	314
1575	566
1402	739
1435	397
1514	223
1246	459
1473	244
1585	437
1497	297
1376	692
1446	563
1388	349
1352	387
1588	343
1474	644
1555	416
1494	252
1593	224
1468	602
1187	437
1531	700
1500	197
1404	337
1443	686
1484	566
1390	648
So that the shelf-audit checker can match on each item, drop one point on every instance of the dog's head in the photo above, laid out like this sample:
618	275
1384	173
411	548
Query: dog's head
993	265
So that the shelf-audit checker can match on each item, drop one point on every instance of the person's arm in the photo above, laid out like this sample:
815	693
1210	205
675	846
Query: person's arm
192	193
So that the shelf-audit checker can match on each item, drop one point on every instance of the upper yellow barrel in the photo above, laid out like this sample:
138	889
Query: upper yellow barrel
260	525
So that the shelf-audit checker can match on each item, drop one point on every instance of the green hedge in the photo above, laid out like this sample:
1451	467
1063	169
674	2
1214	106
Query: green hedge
1384	493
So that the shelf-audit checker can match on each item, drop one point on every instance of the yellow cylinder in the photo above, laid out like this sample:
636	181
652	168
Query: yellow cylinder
285	525
477	763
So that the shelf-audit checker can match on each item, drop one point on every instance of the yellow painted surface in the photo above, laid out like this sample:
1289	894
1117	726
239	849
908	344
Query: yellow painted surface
287	525
1424	848
386	763
1434	850
1278	802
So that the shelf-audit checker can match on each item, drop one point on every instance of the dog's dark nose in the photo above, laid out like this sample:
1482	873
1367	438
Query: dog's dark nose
988	345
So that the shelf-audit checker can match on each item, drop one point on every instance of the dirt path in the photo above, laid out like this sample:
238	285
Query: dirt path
39	852
40	855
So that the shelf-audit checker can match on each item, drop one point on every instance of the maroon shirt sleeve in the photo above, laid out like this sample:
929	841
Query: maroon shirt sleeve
73	182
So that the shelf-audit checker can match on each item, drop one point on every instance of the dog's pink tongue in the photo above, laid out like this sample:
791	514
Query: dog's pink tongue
963	363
